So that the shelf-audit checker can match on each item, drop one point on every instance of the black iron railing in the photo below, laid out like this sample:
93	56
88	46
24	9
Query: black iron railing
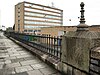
45	43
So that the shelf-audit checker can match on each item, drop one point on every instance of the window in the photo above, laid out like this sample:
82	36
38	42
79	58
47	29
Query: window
18	27
39	30
30	30
25	30
18	21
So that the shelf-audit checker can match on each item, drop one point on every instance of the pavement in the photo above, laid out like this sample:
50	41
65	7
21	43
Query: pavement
15	60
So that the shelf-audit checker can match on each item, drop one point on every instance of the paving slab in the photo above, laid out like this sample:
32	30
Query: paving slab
13	65
48	71
7	71
1	66
7	61
35	72
23	56
17	60
30	58
23	69
56	74
30	62
22	73
12	57
39	65
17	54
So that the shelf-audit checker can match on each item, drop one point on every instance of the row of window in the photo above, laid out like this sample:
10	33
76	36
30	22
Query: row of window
41	7
32	30
35	10
41	23
42	19
42	15
33	27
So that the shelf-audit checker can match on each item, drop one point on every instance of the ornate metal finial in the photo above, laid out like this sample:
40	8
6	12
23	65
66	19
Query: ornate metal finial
82	25
82	19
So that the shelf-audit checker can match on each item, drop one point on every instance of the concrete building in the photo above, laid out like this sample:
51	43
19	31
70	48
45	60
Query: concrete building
95	28
60	30
57	30
39	19
31	17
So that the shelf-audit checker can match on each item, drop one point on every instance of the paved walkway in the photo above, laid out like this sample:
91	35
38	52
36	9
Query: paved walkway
15	60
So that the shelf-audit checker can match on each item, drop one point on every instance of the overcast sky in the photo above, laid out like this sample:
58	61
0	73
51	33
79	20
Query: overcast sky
71	10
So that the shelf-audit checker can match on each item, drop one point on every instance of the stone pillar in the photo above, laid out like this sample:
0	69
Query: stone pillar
76	46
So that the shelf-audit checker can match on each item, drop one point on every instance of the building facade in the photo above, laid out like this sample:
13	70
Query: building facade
95	28
31	17
57	30
60	30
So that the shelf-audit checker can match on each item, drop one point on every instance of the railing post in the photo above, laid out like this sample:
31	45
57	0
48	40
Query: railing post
60	47
54	47
57	46
49	44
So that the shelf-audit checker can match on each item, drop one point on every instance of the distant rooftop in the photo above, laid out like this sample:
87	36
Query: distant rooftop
95	26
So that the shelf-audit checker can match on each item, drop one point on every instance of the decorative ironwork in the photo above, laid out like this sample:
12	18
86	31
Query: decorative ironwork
82	25
82	19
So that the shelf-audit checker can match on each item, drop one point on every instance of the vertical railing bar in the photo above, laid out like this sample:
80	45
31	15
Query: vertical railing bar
60	47
45	43
57	46
49	45
54	45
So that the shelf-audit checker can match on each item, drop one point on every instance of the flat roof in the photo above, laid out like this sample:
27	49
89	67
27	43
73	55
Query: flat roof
42	5
95	26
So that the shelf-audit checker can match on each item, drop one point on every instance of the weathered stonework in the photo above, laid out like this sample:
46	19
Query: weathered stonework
76	48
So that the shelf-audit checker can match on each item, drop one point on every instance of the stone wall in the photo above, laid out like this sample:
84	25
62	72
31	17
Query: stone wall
76	46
